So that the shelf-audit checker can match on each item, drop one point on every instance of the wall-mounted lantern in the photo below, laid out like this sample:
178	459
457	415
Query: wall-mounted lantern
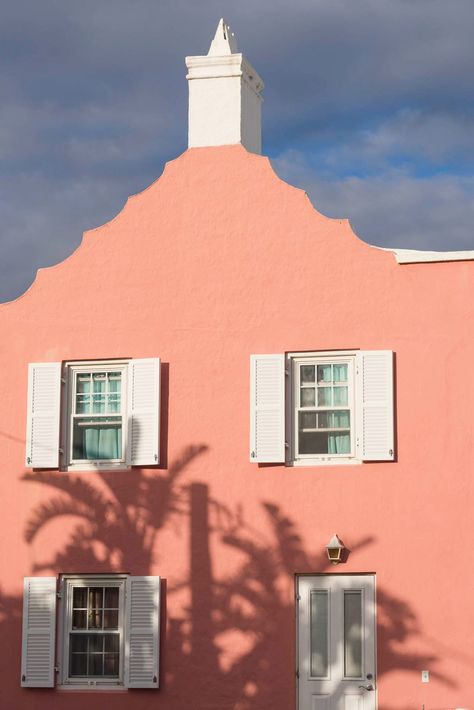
334	549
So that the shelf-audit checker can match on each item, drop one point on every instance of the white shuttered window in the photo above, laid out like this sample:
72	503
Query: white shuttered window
267	408
109	632
109	414
143	623
338	409
39	627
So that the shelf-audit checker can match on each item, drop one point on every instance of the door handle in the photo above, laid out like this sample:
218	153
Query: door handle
369	686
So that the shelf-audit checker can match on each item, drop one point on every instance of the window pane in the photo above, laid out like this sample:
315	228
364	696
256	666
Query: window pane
79	619
84	383
99	381
324	396
319	633
339	443
111	664
79	643
307	397
340	373
79	598
96	597
307	373
352	634
307	420
340	396
97	441
78	664
98	404
111	619
96	664
341	419
112	643
324	442
324	373
111	598
96	643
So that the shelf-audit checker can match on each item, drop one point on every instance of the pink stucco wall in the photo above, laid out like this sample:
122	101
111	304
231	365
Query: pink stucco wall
217	260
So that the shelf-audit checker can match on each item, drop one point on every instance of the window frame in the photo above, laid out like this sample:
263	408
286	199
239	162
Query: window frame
67	584
71	369
293	362
321	359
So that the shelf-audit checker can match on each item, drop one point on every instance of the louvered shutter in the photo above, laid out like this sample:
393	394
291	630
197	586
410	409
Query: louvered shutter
143	412
374	405
39	624
143	632
42	429
267	408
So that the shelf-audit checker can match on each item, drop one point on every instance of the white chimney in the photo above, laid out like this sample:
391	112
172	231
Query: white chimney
224	96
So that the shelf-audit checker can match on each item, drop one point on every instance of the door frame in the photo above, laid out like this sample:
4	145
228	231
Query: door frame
297	576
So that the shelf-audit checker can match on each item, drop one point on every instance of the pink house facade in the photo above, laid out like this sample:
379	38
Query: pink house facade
212	389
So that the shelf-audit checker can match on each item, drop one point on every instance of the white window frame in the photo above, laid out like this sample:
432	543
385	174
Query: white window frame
71	371
68	582
294	360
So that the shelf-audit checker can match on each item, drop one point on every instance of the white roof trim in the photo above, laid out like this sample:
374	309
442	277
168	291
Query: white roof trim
413	256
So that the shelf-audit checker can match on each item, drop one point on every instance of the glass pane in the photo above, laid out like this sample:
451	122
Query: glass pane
79	643
96	664
340	396
95	619
97	441
339	443
353	634
341	419
324	373
324	396
307	420
99	380
78	664
340	373
110	619
307	397
111	664
79	619
84	383
324	442
82	404
98	404
96	596
112	643
319	634
324	420
79	598
96	643
307	373
111	598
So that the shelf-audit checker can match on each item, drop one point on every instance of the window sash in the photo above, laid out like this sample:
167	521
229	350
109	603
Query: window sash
69	630
297	408
97	419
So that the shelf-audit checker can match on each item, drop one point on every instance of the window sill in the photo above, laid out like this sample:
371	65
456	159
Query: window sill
328	461
91	688
96	466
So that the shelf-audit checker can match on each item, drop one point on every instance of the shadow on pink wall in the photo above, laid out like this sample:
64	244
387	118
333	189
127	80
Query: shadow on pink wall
119	521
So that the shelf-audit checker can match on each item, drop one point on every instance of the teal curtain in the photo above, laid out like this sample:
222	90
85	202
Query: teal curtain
102	442
339	443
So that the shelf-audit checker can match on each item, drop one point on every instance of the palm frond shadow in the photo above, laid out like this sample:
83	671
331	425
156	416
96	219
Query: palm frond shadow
235	640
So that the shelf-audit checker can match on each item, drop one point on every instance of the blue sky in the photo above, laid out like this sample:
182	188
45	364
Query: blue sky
369	105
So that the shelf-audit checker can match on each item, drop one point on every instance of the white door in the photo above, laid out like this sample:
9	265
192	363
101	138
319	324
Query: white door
336	642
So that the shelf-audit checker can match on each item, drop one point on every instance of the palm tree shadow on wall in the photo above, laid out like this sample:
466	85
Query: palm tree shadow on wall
233	646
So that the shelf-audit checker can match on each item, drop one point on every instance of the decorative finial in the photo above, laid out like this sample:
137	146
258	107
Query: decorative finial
224	41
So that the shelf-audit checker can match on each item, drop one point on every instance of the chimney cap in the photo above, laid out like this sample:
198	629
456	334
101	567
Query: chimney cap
224	41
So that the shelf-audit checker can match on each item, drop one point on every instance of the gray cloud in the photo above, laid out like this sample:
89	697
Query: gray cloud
372	100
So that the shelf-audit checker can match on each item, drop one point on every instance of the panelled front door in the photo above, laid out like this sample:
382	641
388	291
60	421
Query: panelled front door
336	642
